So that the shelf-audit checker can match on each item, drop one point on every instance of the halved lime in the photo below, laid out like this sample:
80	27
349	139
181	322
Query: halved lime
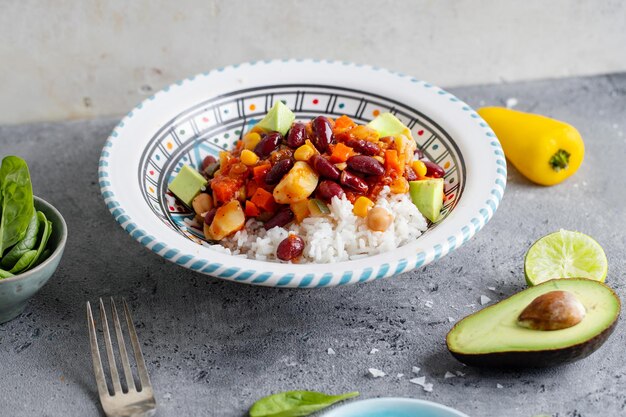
565	254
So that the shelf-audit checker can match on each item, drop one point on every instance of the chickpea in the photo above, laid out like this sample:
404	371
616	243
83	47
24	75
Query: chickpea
379	219
202	203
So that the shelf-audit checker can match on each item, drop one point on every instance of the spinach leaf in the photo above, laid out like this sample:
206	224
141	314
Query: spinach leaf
24	262
46	253
26	244
295	403
17	201
5	274
46	227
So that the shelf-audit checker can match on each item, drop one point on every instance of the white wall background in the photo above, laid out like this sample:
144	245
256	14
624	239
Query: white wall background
68	59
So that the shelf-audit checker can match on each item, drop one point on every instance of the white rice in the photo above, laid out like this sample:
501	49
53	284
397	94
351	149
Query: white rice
339	236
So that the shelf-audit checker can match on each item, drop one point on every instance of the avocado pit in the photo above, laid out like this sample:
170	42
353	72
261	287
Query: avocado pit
554	310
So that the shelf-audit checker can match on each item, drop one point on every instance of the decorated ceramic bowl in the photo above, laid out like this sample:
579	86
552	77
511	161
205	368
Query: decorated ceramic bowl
393	407
209	112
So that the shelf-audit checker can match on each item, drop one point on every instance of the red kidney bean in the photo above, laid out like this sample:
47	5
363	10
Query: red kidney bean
323	133
278	171
366	165
290	248
418	154
352	181
208	160
280	219
329	189
363	146
297	135
410	174
268	144
209	216
323	167
434	170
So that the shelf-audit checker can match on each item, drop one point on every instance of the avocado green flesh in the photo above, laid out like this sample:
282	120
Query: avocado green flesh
495	329
187	184
427	195
278	119
387	124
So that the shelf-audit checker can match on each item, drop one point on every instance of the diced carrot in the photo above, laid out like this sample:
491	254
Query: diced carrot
264	200
251	188
258	172
225	188
340	153
343	124
392	164
251	209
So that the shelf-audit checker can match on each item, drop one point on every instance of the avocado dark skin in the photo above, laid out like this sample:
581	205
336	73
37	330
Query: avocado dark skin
536	359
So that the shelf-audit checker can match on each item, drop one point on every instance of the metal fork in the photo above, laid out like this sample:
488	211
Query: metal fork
136	401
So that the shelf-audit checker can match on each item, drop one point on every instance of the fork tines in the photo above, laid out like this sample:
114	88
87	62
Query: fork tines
144	380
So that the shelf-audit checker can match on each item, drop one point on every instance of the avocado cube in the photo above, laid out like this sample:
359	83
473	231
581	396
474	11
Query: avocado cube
278	119
427	195
387	124
187	184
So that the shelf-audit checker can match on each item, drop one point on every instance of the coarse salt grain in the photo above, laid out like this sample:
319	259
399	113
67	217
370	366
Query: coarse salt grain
376	373
415	370
449	375
331	351
374	350
499	386
484	300
418	381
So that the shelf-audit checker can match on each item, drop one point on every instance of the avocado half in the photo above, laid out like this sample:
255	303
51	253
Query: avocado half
493	338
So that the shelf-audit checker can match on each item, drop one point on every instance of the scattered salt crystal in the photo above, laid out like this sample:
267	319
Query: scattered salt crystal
511	102
418	381
491	288
376	373
459	373
484	300
471	305
374	350
449	375
428	303
399	376
450	319
331	351
167	396
428	387
499	386
415	370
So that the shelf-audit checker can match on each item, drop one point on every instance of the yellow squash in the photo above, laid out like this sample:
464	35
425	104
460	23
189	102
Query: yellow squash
544	150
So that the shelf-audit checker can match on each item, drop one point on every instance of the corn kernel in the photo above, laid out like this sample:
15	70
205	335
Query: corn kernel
304	153
341	166
420	168
362	206
250	140
399	186
249	158
379	159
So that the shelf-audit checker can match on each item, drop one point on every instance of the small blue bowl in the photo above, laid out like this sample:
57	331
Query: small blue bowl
394	407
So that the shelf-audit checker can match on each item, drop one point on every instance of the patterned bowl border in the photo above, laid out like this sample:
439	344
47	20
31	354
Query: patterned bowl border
216	124
285	275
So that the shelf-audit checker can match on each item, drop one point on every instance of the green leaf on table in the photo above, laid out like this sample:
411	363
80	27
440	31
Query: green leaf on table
17	201
295	403
30	240
5	274
23	263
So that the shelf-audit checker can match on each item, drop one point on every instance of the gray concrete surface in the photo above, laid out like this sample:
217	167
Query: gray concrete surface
215	347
